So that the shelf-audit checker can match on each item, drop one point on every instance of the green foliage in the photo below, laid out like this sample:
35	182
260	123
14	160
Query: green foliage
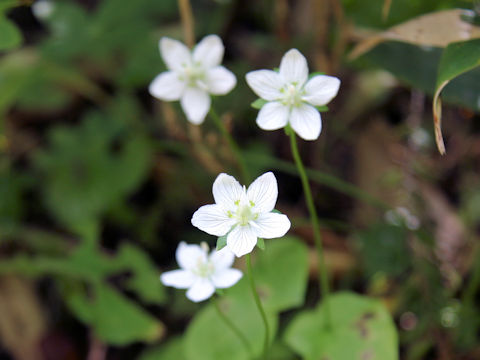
362	328
209	338
458	58
281	273
383	248
10	36
91	167
173	349
221	242
419	70
115	319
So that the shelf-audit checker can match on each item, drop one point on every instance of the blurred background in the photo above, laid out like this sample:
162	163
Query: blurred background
98	180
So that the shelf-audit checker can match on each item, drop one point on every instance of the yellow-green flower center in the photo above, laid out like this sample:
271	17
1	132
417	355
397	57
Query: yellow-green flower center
204	269
292	95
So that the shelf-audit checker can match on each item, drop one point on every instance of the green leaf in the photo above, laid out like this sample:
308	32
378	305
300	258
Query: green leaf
10	36
173	349
323	108
457	58
383	248
258	104
208	337
115	319
221	242
261	244
144	279
90	167
281	273
362	329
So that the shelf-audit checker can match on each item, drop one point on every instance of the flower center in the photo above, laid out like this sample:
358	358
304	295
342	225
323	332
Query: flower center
292	95
193	74
204	269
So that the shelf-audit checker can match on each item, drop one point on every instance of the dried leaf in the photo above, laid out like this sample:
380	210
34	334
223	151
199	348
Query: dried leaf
434	29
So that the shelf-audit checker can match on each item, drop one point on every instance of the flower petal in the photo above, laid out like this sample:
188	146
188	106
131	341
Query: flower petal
174	53
209	51
241	240
272	116
265	83
321	89
226	191
220	81
188	256
293	67
226	278
222	259
195	103
263	192
306	122
179	279
271	225
201	290
167	86
212	219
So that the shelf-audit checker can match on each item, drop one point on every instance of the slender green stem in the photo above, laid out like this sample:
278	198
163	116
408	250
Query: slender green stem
266	342
322	269
232	327
232	144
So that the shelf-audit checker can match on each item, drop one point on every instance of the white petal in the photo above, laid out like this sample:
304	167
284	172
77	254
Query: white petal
272	116
293	67
188	256
174	53
265	83
241	240
180	279
195	103
212	219
263	192
167	86
321	89
222	259
271	225
306	122
209	51
226	278
226	191
201	290
220	81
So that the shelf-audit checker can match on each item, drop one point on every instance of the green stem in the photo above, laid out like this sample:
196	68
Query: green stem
232	144
322	269
232	327
259	306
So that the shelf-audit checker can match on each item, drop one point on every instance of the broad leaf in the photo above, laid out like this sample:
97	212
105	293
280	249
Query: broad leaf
10	36
115	319
457	58
362	329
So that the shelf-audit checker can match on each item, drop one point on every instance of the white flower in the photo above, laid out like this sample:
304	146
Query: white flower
291	96
244	215
42	9
401	215
201	273
193	75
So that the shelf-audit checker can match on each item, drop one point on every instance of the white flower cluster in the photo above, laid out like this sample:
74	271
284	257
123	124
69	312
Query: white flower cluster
239	214
291	97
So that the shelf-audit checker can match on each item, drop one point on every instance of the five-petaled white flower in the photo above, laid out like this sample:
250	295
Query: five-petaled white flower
200	272
193	75
292	96
244	215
